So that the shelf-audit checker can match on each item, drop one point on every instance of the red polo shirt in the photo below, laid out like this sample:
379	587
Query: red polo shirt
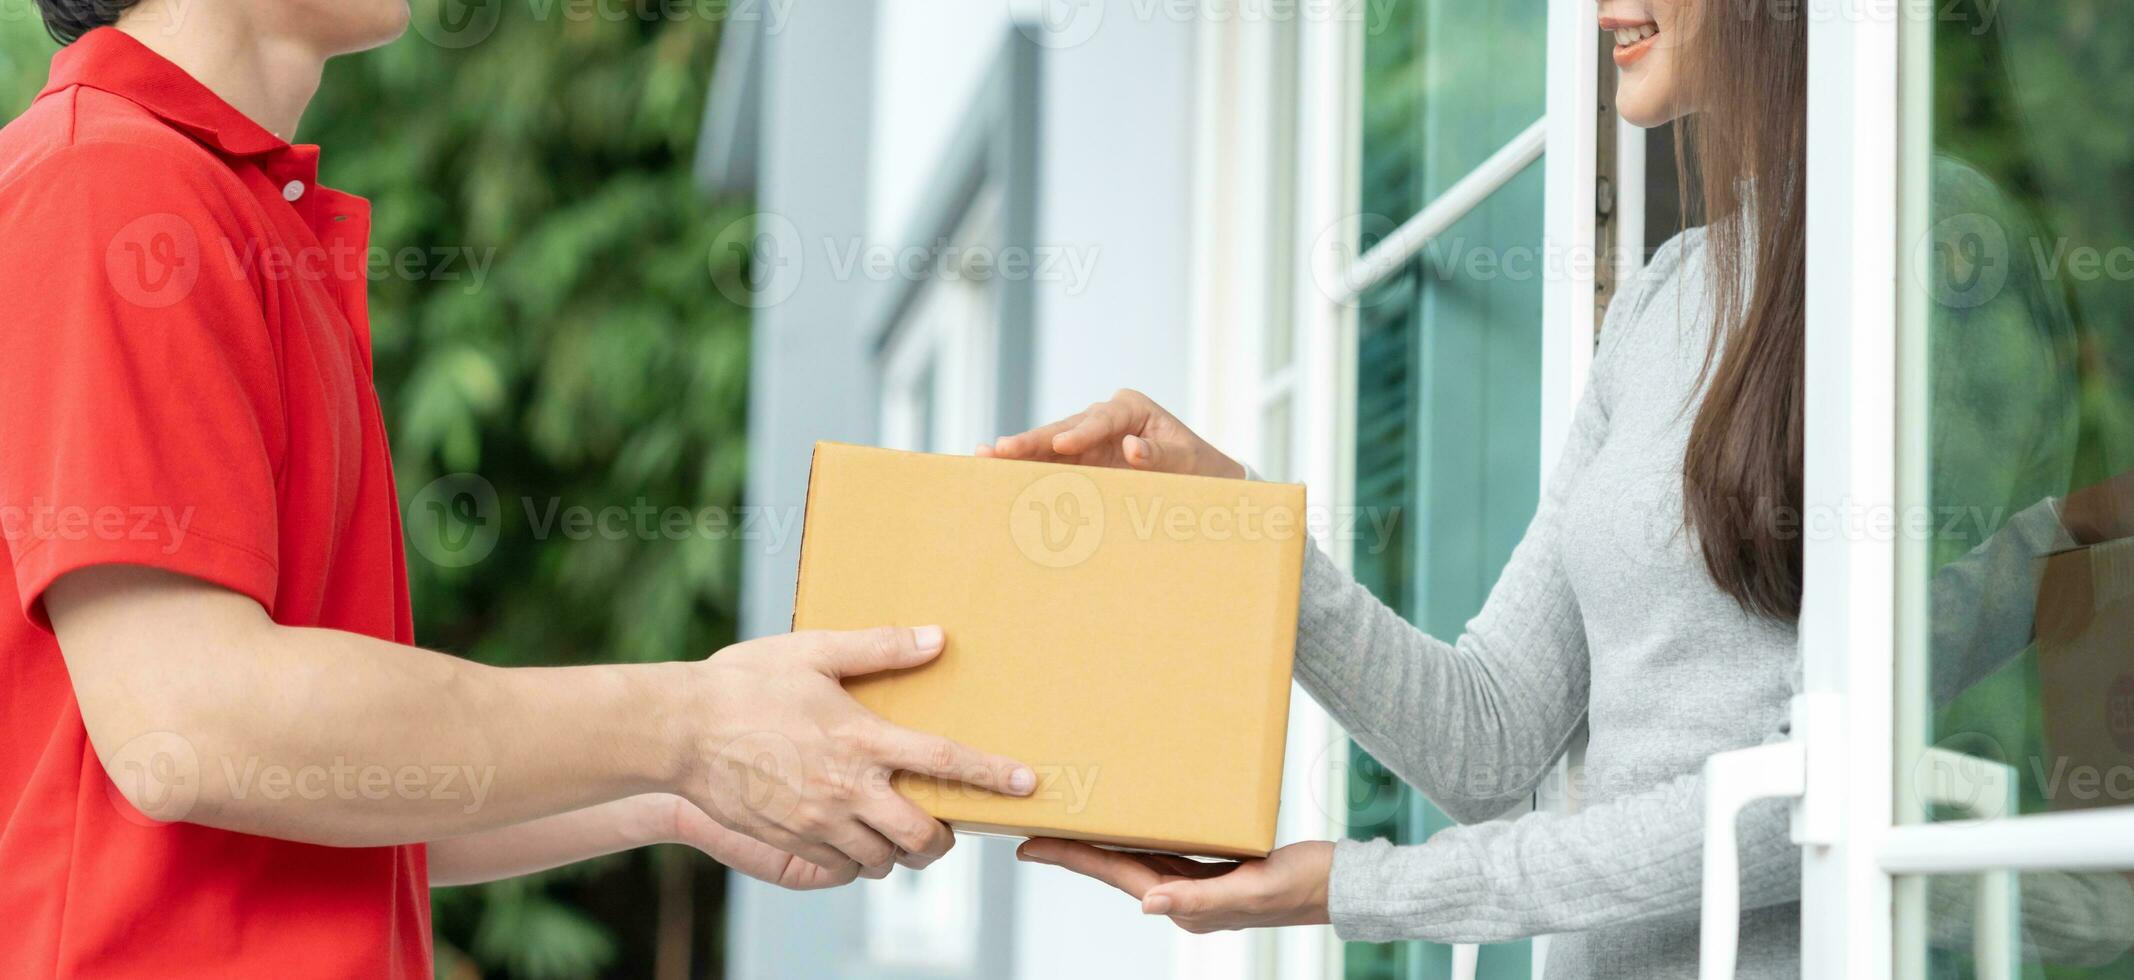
185	384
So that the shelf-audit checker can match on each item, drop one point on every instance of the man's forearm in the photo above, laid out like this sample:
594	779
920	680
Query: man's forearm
202	709
336	738
549	842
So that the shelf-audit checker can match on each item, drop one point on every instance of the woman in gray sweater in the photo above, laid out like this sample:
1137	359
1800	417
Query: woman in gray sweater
1654	596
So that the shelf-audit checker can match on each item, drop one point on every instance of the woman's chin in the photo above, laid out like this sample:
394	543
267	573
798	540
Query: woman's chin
1644	111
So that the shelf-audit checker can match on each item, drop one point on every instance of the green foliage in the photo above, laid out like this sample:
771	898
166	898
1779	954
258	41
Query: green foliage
573	352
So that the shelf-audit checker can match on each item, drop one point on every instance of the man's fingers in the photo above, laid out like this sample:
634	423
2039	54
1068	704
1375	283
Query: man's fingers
804	875
941	758
920	839
1121	871
850	654
862	844
833	861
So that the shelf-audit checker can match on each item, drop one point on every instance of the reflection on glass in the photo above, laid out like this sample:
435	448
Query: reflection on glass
2040	926
2027	530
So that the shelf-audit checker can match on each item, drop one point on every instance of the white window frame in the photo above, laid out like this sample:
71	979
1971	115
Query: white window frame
1866	417
1865	427
947	343
1254	185
1247	183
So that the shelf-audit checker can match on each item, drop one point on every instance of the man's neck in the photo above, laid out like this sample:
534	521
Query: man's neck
269	79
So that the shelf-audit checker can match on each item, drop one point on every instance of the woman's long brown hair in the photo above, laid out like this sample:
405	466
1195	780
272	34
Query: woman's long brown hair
1741	474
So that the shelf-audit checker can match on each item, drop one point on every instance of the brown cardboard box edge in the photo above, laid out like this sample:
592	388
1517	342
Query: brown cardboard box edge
1274	742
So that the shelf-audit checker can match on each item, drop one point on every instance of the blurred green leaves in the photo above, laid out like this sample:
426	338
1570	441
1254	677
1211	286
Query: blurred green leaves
592	363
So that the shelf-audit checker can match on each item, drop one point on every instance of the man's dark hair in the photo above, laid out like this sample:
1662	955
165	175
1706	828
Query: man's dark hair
66	20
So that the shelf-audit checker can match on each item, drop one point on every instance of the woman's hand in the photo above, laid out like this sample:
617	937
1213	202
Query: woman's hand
1287	888
2101	512
1129	432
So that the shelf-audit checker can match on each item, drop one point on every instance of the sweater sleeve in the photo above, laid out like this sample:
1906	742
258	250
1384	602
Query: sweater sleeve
1631	859
1985	601
1474	724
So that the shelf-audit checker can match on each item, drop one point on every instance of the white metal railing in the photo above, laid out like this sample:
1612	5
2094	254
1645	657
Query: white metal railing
1463	196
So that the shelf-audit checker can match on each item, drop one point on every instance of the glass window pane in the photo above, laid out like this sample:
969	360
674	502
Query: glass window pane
2003	926
2025	279
1445	85
1448	434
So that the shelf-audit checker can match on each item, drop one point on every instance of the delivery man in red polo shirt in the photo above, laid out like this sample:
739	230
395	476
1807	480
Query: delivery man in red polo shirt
220	755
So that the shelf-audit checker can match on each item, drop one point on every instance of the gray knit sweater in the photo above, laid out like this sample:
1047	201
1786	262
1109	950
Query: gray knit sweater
1604	615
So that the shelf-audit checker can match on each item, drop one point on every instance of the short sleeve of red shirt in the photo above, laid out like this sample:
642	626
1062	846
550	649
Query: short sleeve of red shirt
142	399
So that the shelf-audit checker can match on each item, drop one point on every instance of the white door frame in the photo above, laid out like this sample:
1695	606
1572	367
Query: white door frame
1868	153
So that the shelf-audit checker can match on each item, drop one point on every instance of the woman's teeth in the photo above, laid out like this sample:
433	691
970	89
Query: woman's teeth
1626	36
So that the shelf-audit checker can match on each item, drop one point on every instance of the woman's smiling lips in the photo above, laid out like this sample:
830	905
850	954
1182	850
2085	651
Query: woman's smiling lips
1633	38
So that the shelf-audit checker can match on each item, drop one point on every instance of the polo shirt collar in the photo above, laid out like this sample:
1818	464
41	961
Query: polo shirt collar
109	60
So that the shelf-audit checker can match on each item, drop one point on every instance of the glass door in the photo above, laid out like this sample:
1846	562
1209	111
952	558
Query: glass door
2014	697
1964	746
1442	273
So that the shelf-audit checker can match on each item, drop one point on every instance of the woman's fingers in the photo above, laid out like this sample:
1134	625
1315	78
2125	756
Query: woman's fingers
1035	444
1197	897
1129	873
1186	867
1104	424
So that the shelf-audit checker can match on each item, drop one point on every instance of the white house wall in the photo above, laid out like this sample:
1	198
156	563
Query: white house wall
857	107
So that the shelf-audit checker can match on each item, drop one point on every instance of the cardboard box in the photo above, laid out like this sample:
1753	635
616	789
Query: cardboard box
2085	627
1127	634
